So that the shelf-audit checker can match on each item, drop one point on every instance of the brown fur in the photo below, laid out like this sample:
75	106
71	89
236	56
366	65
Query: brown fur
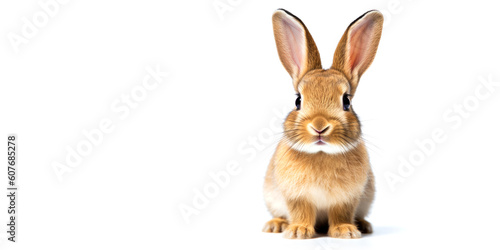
303	188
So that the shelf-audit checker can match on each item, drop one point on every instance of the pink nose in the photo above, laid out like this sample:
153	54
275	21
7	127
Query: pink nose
319	125
321	131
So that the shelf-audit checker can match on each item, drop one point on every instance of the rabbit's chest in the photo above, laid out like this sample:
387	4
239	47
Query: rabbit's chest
321	185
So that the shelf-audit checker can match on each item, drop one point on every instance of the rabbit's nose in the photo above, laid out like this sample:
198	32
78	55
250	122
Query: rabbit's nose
321	131
319	125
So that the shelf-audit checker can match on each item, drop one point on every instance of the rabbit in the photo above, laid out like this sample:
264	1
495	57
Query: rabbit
320	175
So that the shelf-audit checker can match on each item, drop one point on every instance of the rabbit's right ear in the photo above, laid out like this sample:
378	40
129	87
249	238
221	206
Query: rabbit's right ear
296	48
358	46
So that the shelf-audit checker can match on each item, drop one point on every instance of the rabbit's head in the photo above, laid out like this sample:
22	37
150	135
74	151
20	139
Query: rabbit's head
324	120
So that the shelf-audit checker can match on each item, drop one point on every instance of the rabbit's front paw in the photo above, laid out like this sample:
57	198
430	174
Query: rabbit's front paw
276	225
344	231
299	231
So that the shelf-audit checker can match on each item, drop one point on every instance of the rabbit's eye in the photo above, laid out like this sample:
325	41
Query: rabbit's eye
298	101
346	102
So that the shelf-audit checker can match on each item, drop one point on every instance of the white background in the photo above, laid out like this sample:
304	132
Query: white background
225	86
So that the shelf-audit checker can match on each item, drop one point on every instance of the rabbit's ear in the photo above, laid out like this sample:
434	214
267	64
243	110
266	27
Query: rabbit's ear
296	48
358	46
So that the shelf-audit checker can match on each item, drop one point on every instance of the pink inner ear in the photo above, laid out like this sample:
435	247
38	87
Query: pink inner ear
295	41
359	39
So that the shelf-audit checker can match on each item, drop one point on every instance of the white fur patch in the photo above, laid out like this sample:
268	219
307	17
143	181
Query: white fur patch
326	148
319	197
276	202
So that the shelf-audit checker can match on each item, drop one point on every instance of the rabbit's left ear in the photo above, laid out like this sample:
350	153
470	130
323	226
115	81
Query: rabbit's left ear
296	47
358	46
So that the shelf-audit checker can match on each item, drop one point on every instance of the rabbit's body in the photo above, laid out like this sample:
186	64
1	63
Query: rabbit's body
320	175
322	180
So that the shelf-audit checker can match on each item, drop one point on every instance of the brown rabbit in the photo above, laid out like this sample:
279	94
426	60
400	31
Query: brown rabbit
320	175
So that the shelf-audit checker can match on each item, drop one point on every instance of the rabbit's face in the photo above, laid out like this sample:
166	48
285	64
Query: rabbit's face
324	120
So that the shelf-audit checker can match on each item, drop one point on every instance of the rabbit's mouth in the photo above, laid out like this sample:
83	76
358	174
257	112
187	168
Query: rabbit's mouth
320	141
323	144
